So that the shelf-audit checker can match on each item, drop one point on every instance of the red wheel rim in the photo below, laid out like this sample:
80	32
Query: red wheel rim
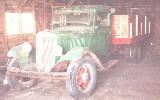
84	77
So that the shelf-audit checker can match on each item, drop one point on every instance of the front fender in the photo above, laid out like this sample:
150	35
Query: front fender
73	54
78	53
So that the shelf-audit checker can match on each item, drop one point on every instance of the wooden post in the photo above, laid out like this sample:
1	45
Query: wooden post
3	39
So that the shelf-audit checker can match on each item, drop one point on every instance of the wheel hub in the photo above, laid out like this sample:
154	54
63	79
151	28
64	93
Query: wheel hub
83	77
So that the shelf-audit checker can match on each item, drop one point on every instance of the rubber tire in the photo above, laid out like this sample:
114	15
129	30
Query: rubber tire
13	81
130	58
71	84
136	54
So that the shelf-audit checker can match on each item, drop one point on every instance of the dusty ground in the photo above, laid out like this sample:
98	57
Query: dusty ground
122	82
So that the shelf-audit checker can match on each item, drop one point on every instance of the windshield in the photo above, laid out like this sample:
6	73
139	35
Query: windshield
66	19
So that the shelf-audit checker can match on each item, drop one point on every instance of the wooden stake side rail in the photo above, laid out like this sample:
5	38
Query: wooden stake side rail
41	75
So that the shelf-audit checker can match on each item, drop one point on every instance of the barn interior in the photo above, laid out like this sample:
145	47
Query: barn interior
21	20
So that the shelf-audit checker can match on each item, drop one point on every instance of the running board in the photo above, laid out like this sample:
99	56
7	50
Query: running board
109	64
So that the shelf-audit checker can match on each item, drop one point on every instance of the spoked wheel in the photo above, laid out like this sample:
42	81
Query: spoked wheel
18	82
83	78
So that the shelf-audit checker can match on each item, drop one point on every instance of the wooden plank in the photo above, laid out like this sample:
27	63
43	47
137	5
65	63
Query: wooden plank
21	3
2	6
3	41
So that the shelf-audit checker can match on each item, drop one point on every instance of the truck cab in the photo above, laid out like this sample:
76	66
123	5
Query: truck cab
83	26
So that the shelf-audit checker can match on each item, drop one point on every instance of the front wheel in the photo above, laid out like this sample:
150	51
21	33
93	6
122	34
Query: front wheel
19	82
83	78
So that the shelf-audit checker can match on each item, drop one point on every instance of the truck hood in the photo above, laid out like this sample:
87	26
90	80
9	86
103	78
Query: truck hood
73	29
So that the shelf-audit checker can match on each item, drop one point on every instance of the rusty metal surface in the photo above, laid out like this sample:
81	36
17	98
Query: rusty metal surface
35	74
110	64
60	67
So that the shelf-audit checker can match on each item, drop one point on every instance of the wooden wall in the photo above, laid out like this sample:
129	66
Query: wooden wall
3	40
42	15
157	20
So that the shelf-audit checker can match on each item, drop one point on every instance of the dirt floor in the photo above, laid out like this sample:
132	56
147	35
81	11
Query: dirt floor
124	81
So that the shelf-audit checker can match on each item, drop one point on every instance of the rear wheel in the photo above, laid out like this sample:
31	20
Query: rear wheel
138	54
83	78
133	54
19	82
129	54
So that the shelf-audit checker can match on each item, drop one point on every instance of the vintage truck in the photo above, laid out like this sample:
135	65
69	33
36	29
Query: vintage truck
77	44
73	49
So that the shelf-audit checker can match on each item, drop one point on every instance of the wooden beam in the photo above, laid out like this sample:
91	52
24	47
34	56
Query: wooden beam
70	3
21	3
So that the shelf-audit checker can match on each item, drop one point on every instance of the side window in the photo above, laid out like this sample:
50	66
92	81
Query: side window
17	23
27	26
103	19
12	23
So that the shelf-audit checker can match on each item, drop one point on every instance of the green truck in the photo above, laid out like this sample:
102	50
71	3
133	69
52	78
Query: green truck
74	48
